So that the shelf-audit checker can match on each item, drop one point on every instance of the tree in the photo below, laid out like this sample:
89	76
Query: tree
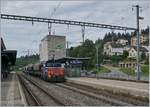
147	60
25	60
115	59
143	56
125	54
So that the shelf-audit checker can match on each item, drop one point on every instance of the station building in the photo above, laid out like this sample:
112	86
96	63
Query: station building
8	59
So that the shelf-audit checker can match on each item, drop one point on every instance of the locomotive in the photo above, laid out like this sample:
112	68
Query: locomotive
49	71
53	72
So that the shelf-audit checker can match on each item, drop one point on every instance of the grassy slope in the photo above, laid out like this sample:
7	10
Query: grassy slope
145	70
130	71
102	70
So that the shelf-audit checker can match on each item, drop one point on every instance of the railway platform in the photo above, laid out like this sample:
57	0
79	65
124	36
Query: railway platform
127	87
11	91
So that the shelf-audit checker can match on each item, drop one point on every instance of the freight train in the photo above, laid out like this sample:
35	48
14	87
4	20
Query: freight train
49	71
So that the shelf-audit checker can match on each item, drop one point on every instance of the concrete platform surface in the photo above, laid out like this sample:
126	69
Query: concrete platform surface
11	92
134	88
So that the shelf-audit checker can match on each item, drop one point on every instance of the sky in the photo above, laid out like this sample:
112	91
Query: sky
23	36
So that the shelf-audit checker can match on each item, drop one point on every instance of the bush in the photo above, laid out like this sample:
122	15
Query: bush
103	70
129	71
115	59
145	70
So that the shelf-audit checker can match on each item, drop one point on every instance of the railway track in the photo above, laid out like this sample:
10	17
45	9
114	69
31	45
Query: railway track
101	96
31	99
38	95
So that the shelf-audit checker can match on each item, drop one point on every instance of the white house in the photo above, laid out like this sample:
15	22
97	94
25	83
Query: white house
107	48
122	41
113	49
117	51
133	52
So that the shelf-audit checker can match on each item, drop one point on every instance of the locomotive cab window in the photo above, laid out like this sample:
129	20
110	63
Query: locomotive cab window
53	64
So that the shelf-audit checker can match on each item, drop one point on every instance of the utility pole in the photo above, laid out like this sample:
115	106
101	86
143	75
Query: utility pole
138	41
67	51
50	28
97	57
83	33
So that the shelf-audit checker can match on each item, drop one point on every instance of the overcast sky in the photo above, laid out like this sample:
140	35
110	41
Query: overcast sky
21	36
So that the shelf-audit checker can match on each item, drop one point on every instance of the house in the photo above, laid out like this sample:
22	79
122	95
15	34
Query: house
129	64
113	49
117	49
133	52
133	40
107	48
144	40
147	47
122	41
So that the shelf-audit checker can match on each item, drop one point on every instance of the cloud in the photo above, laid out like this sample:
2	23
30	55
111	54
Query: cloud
20	35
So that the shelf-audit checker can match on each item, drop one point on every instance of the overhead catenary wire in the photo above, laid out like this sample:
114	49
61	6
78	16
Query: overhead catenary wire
52	14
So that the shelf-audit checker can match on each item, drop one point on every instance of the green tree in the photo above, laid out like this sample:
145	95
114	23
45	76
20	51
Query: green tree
143	56
125	54
115	59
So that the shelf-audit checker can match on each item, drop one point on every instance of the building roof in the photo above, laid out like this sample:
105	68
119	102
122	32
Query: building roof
3	47
143	34
7	55
48	36
146	43
11	54
64	59
114	45
142	49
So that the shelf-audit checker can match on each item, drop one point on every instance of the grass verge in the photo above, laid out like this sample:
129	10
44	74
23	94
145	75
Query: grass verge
131	71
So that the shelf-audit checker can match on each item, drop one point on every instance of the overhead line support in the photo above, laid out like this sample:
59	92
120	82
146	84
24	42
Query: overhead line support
68	22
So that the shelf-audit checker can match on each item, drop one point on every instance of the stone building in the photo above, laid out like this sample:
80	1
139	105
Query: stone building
52	47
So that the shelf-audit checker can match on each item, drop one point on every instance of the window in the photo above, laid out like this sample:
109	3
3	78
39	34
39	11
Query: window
130	54
53	65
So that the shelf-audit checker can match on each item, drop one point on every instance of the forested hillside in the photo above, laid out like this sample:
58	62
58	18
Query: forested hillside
25	60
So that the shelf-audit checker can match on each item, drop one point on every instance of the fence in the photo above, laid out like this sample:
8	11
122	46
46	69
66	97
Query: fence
114	76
